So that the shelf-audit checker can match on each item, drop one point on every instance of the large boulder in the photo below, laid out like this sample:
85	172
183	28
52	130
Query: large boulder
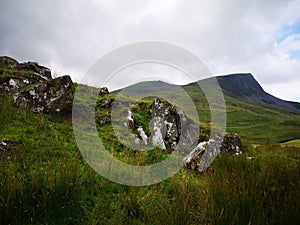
51	97
202	156
171	126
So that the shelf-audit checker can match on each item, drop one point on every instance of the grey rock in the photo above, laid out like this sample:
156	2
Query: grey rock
202	156
51	97
103	120
15	75
172	126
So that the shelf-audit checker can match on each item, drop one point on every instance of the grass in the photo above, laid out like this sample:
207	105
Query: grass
46	180
292	143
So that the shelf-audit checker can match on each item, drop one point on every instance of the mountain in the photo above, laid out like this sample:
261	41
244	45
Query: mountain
245	86
240	86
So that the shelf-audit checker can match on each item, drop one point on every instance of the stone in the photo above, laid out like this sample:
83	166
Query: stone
50	97
103	120
202	156
143	135
34	67
232	144
130	122
15	75
7	147
103	91
171	125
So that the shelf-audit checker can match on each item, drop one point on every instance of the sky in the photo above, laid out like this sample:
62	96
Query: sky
69	36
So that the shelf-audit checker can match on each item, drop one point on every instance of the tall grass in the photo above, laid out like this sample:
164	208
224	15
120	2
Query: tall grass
46	181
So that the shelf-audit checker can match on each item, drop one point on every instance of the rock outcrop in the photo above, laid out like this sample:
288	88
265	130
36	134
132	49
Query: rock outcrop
172	127
51	97
15	75
44	95
202	156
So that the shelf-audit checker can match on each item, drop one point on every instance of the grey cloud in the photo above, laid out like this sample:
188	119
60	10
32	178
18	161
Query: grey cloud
230	36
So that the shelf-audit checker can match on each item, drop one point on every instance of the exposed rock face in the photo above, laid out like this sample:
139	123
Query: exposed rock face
51	97
7	147
15	75
171	124
170	127
202	156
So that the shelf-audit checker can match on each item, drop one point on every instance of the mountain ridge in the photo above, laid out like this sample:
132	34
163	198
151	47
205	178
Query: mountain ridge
238	85
244	85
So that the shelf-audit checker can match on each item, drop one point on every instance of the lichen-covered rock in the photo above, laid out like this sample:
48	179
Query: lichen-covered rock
7	62
7	147
103	120
232	144
202	156
34	67
15	75
171	126
51	97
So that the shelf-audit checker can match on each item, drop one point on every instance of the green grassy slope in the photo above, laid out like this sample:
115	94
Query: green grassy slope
293	143
253	122
46	180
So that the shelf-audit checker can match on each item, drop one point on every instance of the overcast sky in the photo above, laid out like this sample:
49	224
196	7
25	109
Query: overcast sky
230	36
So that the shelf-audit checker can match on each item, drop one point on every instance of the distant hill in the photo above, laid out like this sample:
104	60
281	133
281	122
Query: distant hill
245	86
240	86
145	87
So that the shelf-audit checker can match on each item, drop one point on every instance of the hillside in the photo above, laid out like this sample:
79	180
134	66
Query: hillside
44	178
251	112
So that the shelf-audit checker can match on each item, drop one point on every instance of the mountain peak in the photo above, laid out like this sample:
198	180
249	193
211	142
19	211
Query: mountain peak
240	85
244	85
